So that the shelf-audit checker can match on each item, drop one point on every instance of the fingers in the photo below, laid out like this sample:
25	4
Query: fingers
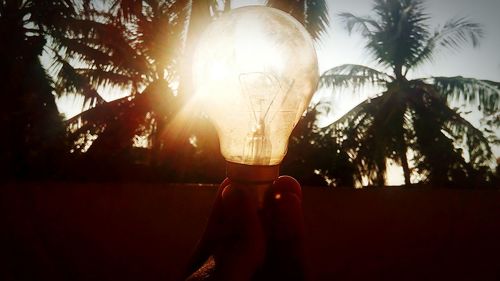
285	228
287	184
286	211
214	220
211	234
240	238
239	212
283	207
242	250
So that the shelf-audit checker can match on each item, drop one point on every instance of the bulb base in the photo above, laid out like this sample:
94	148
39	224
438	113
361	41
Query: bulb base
253	179
252	174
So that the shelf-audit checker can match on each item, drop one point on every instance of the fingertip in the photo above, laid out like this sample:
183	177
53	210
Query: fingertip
287	203
225	182
287	218
286	184
236	201
232	194
221	188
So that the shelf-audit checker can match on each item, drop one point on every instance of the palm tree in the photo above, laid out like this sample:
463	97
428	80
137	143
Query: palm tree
410	121
134	46
29	116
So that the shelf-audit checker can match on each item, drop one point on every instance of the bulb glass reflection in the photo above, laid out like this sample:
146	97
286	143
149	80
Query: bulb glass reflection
255	70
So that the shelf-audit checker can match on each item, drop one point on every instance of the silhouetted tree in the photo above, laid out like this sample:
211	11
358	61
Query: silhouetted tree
316	158
410	122
134	46
33	134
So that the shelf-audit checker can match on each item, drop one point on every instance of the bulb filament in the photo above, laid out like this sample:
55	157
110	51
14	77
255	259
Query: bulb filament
260	91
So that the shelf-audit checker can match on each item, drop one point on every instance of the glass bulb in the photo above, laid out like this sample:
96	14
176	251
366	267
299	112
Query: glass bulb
255	71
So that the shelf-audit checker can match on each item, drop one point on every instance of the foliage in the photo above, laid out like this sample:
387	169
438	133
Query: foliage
35	145
138	45
315	158
313	14
410	122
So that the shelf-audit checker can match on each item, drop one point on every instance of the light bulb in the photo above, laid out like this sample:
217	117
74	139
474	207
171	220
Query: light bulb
255	71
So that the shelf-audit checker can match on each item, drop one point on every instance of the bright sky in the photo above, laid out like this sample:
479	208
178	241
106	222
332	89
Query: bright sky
337	47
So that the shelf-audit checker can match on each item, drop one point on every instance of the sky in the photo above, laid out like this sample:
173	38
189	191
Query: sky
337	47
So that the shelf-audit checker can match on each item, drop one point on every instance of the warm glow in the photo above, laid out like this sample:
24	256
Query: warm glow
255	71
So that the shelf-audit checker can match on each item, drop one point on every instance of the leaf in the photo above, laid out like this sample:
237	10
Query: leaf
459	31
313	14
470	90
365	25
352	75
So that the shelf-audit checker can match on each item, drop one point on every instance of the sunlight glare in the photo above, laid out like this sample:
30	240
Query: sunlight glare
181	124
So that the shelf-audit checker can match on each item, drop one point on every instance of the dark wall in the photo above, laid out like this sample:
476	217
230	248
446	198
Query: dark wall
404	234
147	232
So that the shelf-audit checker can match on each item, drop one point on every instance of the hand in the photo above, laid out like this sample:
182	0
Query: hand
242	242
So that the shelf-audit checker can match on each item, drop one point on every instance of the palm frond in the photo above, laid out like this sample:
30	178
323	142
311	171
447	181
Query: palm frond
484	92
478	148
50	14
316	20
99	77
69	80
423	54
453	35
160	37
402	33
105	47
126	9
84	52
352	75
313	14
352	130
442	135
121	120
371	133
365	25
457	32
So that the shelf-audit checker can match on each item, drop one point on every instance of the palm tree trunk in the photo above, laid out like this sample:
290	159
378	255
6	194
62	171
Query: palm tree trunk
406	167
381	170
398	72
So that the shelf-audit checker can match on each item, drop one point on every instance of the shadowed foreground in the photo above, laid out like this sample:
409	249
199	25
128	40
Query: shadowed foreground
147	231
